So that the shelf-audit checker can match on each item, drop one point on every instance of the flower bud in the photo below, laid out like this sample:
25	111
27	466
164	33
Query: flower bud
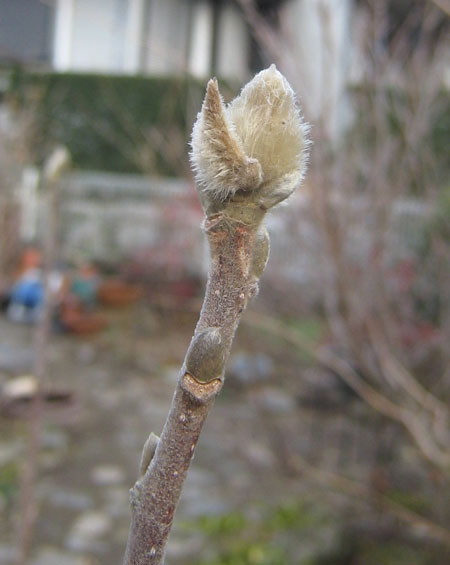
256	147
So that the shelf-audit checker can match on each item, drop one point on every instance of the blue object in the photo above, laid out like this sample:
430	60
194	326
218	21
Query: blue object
28	293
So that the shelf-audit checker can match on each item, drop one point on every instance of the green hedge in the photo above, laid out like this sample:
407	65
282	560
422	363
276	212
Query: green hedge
105	120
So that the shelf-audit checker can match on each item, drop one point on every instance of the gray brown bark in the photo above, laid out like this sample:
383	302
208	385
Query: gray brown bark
234	245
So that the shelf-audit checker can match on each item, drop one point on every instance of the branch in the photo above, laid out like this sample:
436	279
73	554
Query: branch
56	165
296	465
394	371
361	492
444	5
247	157
413	423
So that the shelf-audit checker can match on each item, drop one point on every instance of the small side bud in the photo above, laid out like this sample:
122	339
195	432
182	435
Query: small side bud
261	252
205	358
148	452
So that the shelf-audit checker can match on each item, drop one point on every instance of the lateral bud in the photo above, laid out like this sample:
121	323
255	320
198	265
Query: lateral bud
148	452
205	358
261	252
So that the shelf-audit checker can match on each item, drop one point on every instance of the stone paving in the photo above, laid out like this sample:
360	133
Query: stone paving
122	383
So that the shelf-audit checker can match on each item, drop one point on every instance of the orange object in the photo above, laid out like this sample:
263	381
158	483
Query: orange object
77	321
118	293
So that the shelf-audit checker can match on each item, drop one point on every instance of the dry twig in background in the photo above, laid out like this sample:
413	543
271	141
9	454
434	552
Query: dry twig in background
364	187
57	163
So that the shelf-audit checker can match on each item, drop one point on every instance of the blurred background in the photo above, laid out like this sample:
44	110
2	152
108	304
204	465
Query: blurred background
330	443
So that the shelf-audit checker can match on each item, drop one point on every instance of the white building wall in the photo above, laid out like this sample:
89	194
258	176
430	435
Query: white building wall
166	32
90	36
318	62
232	44
201	39
150	36
134	36
98	35
62	43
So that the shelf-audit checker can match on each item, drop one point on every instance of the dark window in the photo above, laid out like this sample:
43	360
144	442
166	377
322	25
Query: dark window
26	31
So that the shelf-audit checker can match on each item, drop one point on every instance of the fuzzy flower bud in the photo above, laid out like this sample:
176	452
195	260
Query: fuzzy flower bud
255	149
